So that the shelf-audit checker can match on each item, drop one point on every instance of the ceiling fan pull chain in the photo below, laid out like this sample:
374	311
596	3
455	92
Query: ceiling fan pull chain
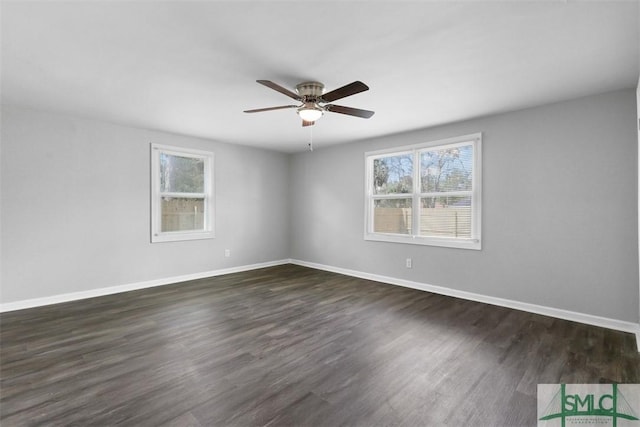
310	138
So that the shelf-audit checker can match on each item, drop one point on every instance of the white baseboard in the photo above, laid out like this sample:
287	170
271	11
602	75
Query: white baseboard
588	319
73	296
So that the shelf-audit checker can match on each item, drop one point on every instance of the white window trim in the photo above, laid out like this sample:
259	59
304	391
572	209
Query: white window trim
475	242
209	201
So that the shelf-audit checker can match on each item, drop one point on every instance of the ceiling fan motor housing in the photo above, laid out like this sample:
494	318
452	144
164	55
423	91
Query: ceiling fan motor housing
310	89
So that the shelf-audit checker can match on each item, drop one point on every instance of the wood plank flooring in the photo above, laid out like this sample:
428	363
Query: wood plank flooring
290	345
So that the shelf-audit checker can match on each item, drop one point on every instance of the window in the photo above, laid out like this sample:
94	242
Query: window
426	194
181	194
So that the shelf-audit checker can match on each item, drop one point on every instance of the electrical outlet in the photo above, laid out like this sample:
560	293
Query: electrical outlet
409	263
227	253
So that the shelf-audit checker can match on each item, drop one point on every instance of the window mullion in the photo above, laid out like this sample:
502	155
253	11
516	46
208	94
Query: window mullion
392	196
183	195
417	187
447	193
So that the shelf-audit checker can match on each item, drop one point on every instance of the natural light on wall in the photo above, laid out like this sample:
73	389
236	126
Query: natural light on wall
427	194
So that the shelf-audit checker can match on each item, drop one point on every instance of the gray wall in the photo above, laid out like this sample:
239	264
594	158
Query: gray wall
560	205
75	207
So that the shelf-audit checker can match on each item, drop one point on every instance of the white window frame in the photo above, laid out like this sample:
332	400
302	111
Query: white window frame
475	242
157	235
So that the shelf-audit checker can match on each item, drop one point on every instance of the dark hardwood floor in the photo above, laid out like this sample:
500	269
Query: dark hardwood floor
290	345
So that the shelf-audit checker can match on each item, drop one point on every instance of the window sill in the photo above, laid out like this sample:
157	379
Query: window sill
176	236
474	244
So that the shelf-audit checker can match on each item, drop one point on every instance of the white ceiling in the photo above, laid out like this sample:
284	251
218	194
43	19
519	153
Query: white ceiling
190	67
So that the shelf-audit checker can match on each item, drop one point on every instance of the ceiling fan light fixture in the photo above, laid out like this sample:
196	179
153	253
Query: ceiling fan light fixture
310	112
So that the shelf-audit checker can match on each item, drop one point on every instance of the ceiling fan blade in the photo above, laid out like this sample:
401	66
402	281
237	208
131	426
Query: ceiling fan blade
280	89
344	91
306	123
365	114
258	110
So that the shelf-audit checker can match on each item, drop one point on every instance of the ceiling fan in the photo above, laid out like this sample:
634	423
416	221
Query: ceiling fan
314	103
